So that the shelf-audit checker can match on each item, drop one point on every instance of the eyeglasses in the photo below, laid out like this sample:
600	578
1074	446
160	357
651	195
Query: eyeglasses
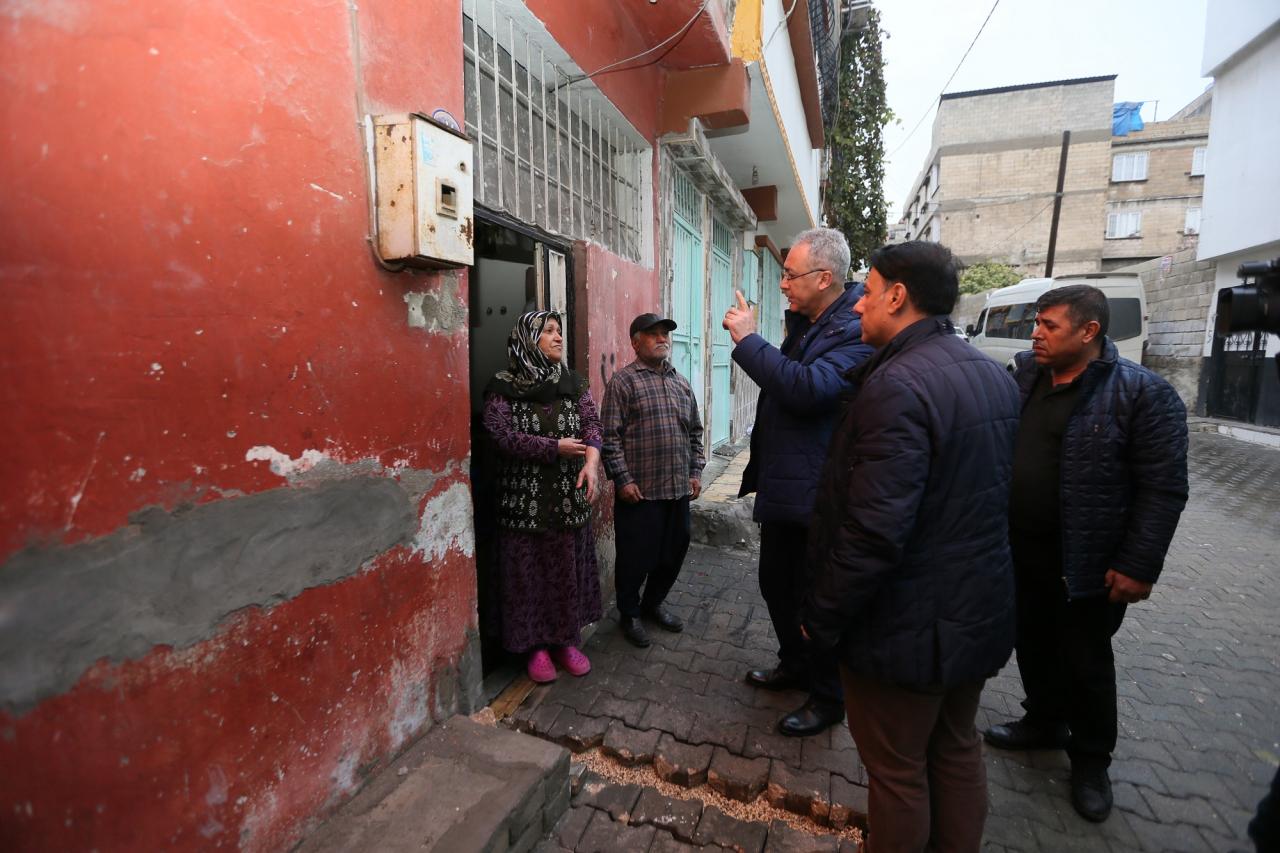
792	276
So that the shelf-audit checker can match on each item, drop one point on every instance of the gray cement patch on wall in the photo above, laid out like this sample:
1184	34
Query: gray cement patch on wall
171	578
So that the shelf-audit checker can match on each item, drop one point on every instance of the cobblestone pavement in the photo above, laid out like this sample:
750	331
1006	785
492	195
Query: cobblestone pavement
1198	682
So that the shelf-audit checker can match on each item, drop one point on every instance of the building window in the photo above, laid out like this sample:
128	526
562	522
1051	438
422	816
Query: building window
1124	223
1129	167
1197	160
550	152
1191	224
933	179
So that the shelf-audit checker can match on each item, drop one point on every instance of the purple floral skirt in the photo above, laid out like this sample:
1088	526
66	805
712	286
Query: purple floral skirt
550	587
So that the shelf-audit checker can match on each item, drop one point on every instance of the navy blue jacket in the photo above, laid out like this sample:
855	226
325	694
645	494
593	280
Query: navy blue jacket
801	386
1124	470
913	578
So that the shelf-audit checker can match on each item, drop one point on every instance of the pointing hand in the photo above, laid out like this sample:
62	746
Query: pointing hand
739	320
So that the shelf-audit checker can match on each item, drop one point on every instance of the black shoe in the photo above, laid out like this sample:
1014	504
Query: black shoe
635	632
775	679
1019	734
810	718
1091	793
666	620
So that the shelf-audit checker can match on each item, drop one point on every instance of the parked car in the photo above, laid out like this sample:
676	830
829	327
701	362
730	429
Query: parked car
1004	327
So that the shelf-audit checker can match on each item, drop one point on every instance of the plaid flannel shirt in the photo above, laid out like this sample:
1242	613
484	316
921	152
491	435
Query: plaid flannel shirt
652	432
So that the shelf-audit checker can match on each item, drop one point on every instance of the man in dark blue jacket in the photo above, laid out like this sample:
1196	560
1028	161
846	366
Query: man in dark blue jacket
913	584
1099	481
801	385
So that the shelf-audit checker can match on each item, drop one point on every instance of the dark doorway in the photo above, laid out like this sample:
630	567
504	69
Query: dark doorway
515	271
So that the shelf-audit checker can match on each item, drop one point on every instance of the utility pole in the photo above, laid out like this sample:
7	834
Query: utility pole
1057	204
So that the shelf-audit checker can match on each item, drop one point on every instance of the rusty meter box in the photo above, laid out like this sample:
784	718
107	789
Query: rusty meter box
423	171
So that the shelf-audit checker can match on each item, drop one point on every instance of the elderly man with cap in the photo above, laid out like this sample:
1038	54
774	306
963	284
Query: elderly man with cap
653	453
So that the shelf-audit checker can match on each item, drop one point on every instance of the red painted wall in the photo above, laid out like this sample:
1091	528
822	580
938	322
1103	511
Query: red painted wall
187	277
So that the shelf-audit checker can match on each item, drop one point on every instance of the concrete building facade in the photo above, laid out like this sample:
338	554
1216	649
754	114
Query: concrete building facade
1157	182
988	185
242	556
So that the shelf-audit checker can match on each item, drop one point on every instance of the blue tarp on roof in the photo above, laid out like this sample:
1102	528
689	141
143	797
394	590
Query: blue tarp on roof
1125	117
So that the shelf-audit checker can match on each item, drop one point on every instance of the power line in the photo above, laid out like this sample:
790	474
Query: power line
949	79
676	35
1034	216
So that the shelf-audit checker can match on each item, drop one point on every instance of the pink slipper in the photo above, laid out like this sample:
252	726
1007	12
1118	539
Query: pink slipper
541	669
572	661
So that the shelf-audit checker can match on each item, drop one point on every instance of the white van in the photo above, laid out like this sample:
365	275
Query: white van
1004	327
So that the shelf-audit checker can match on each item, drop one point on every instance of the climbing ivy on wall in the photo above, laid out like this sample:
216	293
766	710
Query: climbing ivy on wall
855	202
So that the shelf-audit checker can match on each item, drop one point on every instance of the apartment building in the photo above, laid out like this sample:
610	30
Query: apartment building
988	187
1157	183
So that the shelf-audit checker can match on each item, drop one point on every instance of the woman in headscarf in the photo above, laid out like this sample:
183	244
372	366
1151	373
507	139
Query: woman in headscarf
547	429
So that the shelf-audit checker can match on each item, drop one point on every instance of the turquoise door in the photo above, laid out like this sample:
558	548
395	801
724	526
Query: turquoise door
688	280
721	344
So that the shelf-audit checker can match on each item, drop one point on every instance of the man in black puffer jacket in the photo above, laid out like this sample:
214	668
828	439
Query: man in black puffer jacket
914	581
1099	481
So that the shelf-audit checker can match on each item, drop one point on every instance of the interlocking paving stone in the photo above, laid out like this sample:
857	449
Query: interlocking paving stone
718	732
672	720
605	835
572	825
577	732
678	817
663	843
806	793
848	804
773	745
718	828
599	793
786	839
629	711
681	763
736	777
629	746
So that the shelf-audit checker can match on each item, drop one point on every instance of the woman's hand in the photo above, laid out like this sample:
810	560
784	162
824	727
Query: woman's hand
571	447
590	473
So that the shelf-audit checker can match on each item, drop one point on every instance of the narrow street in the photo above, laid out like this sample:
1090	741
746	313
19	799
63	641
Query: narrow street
1198	684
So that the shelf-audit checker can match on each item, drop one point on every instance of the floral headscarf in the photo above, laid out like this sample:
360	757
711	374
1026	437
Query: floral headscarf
528	367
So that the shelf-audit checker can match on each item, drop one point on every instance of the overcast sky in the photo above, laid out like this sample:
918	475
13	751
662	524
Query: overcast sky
1154	46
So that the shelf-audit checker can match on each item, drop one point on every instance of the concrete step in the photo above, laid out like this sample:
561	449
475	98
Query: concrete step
463	787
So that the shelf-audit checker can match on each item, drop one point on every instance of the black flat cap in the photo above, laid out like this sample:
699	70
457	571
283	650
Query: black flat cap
647	321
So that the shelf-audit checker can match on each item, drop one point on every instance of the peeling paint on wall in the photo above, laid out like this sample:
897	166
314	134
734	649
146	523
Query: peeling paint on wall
441	309
447	523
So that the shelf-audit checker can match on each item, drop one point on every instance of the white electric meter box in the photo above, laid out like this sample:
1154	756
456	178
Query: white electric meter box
423	171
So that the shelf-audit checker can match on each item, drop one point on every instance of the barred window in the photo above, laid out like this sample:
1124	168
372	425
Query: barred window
551	150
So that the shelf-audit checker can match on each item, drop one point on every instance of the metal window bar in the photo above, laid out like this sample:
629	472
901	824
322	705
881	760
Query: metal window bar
516	111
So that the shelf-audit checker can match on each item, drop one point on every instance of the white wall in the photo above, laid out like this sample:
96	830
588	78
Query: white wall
1229	26
780	62
1242	174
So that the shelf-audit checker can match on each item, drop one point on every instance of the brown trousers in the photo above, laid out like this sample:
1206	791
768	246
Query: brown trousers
928	785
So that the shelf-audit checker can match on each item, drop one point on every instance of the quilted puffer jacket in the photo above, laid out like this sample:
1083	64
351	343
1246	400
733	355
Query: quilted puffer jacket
1124	471
910	537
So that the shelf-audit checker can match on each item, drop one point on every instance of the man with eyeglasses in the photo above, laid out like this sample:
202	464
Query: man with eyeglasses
801	385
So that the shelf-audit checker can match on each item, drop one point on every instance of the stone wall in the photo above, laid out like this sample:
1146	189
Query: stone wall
1179	292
